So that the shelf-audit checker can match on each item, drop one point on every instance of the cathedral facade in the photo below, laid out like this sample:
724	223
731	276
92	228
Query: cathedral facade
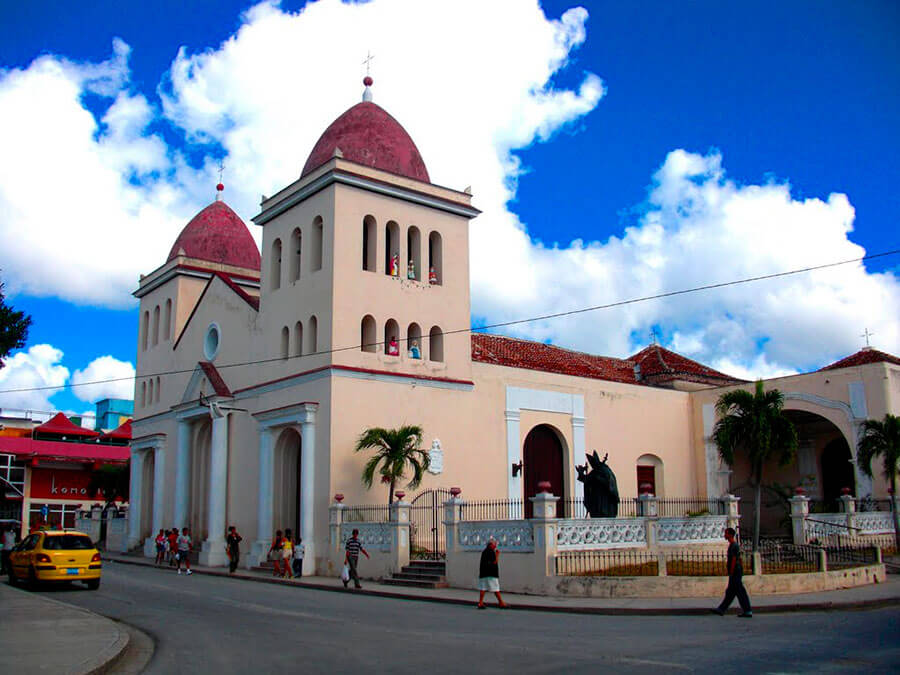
258	372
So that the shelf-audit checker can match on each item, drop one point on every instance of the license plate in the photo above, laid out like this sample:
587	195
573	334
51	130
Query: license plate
72	570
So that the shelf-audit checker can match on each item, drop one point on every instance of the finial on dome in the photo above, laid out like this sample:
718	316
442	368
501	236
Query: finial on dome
367	92
220	185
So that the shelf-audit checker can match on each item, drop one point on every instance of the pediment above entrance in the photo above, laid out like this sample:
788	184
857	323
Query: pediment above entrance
206	381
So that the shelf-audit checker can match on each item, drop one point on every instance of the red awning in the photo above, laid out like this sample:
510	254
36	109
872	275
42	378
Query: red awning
62	425
120	433
30	449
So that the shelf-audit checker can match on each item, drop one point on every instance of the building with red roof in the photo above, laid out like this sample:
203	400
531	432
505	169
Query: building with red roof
258	370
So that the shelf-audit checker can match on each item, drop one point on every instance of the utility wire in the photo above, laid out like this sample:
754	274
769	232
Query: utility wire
502	324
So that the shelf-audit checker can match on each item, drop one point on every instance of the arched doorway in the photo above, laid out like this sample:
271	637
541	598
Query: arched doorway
198	509
287	468
542	458
837	473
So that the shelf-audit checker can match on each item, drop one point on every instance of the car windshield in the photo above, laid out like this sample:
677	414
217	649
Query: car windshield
68	542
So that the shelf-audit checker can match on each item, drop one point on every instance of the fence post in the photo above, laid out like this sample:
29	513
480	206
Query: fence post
452	518
823	560
732	512
648	508
848	508
877	557
399	534
799	513
757	562
335	518
661	564
544	530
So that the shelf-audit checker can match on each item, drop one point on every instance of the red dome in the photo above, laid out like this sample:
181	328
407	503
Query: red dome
217	234
367	134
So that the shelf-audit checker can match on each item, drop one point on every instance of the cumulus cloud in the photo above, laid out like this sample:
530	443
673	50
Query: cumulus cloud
264	95
104	377
39	366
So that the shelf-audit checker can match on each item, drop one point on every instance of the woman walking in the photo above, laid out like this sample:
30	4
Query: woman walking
276	553
489	573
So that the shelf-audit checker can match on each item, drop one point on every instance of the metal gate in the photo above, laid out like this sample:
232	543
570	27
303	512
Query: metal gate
426	525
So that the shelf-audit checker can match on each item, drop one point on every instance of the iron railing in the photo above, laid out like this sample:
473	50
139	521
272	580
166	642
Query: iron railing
607	563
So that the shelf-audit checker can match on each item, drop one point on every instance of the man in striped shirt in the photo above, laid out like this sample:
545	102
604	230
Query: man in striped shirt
351	558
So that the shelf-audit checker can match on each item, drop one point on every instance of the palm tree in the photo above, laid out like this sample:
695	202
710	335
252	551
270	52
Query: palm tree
395	448
882	438
754	424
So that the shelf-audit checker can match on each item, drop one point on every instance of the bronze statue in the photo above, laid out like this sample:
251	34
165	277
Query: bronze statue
601	493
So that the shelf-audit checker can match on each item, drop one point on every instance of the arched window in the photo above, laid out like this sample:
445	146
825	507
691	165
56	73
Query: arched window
369	235
150	392
435	259
367	335
298	338
143	394
167	324
414	253
296	250
285	342
313	339
392	249
413	341
650	475
391	338
157	389
275	267
318	244
156	325
436	344
145	330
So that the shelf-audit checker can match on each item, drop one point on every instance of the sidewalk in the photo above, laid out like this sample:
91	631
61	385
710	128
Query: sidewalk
79	641
876	595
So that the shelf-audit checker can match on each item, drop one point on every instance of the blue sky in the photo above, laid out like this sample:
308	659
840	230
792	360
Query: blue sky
619	150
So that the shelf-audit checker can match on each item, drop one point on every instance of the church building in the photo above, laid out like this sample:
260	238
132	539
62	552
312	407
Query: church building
257	373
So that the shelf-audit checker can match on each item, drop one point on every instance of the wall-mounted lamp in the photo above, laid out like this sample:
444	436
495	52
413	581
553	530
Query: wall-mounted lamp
517	468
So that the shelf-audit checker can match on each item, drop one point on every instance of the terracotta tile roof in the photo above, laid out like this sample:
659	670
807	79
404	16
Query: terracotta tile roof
862	357
517	353
215	379
659	365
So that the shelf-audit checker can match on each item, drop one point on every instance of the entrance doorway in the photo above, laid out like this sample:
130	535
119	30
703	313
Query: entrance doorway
837	473
198	495
543	461
287	496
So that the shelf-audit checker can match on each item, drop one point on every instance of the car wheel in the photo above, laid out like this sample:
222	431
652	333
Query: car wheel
32	578
92	584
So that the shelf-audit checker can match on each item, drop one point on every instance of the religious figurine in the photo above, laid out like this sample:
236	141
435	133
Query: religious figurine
393	348
414	350
432	276
395	265
601	493
411	269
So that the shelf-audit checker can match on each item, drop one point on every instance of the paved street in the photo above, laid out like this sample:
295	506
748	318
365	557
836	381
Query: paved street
212	624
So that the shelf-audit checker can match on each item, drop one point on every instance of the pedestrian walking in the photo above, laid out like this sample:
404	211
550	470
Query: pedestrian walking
9	540
276	554
287	552
299	550
172	552
233	548
161	544
185	545
351	558
489	573
735	580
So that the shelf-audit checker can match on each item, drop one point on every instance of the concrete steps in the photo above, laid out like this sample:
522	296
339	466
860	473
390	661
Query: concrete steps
420	574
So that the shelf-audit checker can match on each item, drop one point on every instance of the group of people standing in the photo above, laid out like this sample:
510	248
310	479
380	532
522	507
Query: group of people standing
286	554
174	548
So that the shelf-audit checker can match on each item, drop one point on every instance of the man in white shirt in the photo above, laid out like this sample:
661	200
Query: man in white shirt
299	550
184	550
9	540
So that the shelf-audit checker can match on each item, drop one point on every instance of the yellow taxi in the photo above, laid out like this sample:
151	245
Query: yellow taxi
56	555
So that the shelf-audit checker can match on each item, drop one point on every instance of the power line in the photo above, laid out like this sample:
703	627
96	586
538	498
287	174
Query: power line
502	324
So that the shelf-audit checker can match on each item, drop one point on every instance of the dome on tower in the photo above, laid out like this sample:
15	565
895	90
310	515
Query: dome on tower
367	134
217	234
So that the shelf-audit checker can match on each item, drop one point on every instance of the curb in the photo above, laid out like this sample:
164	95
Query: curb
824	606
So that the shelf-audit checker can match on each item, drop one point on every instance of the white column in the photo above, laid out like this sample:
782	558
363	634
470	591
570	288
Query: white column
578	457
213	553
182	474
159	489
134	501
308	491
266	497
513	455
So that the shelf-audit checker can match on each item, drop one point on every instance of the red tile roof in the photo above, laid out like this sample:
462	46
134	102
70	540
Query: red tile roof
217	234
862	357
27	448
215	379
659	365
63	426
120	433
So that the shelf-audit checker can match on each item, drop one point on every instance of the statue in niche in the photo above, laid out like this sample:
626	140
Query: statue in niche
395	265
432	276
393	348
436	457
414	352
411	270
601	493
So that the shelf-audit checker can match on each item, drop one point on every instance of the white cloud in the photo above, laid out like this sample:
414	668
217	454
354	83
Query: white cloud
114	378
38	366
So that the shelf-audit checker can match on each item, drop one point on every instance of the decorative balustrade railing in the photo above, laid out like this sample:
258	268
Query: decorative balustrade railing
694	530
595	533
511	535
373	536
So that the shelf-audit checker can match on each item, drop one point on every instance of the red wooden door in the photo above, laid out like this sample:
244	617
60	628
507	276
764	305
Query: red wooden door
543	460
646	475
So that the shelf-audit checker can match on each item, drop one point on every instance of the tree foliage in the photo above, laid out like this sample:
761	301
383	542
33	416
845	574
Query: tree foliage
13	328
882	439
394	450
753	424
112	481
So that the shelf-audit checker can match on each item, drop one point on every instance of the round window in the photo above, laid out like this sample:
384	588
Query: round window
211	342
